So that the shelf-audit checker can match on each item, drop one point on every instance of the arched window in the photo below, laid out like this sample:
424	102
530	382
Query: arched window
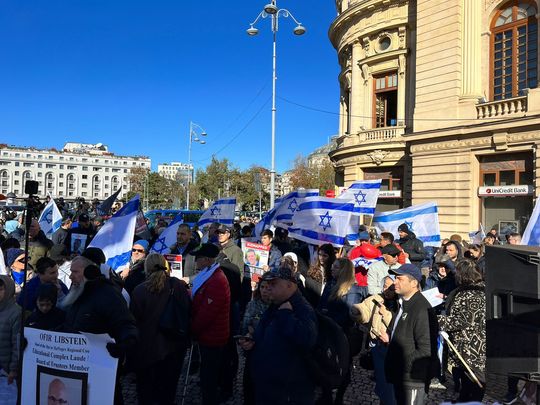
49	183
514	50
4	179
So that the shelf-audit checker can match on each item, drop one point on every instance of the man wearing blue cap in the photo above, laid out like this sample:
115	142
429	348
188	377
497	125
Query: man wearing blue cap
411	339
135	273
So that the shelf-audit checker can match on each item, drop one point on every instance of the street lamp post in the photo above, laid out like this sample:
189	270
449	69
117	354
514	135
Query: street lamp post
193	137
271	10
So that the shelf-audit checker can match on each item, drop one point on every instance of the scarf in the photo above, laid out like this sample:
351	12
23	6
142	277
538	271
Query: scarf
18	277
202	277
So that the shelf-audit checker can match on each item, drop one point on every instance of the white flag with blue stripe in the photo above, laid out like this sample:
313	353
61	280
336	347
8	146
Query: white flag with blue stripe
221	211
364	195
289	204
50	219
167	238
321	220
266	221
531	236
422	219
115	238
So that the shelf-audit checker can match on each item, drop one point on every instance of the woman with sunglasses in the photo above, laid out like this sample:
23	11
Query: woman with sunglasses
15	265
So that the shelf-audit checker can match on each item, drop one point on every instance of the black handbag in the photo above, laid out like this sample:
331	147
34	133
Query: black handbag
174	320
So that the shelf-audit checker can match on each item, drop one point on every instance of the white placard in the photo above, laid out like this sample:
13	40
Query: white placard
432	295
76	368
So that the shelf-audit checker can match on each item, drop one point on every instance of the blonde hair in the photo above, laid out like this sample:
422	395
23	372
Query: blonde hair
345	278
156	269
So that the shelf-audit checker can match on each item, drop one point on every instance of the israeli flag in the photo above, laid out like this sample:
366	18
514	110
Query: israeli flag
364	195
221	211
477	237
167	238
266	221
364	262
422	219
531	236
115	238
321	220
289	204
50	219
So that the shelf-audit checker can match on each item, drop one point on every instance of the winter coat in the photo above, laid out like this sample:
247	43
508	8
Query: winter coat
445	285
234	253
465	323
253	314
412	349
38	247
211	310
59	236
367	311
102	309
278	367
135	276
414	248
274	257
52	320
147	308
10	324
377	272
188	261
339	309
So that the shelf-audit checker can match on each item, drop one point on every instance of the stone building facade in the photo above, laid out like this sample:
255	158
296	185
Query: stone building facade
440	99
78	170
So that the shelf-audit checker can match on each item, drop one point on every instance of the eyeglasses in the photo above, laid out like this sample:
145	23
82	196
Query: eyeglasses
137	250
22	260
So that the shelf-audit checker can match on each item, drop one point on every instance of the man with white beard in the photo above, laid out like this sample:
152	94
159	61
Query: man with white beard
95	305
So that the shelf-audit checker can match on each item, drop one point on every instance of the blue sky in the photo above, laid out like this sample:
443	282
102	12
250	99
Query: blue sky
132	74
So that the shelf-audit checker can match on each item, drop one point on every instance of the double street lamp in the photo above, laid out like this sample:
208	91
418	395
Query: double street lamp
272	11
196	133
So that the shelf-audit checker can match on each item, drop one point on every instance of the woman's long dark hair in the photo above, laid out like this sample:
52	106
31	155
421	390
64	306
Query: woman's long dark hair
314	270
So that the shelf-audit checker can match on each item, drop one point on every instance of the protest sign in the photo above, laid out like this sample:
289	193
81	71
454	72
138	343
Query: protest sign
175	261
256	257
69	368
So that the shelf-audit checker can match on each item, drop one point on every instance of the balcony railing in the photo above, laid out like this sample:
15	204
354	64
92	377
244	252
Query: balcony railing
376	135
501	108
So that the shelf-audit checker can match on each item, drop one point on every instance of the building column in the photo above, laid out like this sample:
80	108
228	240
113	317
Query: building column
471	82
401	89
356	93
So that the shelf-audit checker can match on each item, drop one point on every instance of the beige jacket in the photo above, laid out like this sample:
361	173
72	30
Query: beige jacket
372	310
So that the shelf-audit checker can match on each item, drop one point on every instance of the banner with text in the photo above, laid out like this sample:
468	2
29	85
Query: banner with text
67	368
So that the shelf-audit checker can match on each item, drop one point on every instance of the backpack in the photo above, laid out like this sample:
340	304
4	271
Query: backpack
328	362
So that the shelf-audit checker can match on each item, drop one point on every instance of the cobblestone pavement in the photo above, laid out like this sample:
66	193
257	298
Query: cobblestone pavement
360	390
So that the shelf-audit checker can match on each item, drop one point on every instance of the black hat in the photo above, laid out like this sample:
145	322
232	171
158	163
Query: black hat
47	291
95	255
404	228
283	272
391	250
84	218
409	269
206	250
222	228
92	272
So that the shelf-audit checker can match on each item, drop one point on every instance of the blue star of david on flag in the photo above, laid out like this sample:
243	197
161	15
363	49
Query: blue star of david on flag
215	211
326	217
293	205
409	225
360	197
48	216
160	246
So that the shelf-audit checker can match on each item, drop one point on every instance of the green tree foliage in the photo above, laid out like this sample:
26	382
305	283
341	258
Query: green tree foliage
321	176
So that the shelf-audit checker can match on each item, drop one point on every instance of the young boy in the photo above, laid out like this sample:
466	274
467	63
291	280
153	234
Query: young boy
46	316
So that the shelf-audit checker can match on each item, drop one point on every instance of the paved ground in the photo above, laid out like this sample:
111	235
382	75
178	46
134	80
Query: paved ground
360	390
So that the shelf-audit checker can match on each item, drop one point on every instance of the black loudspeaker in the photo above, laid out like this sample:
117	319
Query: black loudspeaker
513	309
31	187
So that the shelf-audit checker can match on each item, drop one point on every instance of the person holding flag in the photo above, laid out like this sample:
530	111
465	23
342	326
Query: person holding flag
50	219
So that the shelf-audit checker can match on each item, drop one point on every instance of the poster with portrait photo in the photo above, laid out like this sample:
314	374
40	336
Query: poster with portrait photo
508	227
256	257
78	242
60	387
67	368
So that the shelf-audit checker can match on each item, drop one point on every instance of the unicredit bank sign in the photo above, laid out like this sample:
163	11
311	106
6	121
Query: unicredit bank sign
502	191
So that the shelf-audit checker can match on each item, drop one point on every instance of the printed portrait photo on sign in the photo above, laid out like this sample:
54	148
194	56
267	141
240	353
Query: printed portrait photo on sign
59	387
78	243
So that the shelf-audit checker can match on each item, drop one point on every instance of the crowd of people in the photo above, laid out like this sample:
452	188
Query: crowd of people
273	320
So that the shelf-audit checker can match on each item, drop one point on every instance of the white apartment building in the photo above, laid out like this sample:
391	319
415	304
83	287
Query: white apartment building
78	170
176	171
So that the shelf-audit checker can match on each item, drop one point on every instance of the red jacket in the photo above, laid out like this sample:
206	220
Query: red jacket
210	311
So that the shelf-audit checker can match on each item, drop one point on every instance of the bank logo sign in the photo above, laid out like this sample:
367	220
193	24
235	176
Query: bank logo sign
503	191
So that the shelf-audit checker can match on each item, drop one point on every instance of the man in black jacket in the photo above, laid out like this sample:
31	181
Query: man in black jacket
411	245
411	339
